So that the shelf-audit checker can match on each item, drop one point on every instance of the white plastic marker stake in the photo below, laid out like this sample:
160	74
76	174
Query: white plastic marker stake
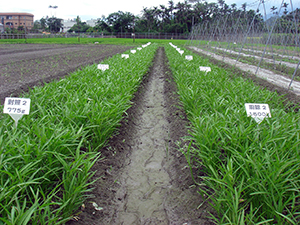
257	111
133	51
126	56
205	68
144	46
189	57
103	67
181	52
16	108
139	48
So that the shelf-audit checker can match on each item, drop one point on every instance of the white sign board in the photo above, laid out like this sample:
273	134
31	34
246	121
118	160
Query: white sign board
257	111
181	52
17	106
139	48
189	57
133	51
103	67
126	56
205	68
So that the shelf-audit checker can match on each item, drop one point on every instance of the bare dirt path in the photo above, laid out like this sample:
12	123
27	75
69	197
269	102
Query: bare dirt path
288	64
268	75
145	178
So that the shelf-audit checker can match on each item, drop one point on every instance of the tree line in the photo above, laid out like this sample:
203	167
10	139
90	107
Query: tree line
171	18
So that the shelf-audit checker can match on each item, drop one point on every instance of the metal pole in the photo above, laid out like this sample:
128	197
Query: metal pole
269	38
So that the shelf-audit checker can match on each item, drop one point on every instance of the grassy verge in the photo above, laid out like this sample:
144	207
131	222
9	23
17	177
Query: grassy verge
252	172
114	41
45	163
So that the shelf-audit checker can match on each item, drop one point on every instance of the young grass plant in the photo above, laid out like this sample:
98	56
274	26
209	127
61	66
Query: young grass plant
252	169
45	163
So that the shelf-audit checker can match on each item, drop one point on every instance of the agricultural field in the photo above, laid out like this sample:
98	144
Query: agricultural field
279	69
250	169
151	140
27	65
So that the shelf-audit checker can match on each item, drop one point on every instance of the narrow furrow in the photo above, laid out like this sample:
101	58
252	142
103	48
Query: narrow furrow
148	180
145	180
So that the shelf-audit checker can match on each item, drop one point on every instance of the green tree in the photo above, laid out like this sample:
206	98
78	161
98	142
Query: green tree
79	27
102	26
43	22
120	22
54	24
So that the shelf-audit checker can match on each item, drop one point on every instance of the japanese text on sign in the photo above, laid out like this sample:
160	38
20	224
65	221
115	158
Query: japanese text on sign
257	110
16	106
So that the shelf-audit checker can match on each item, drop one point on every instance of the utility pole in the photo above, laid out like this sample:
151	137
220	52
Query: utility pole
133	34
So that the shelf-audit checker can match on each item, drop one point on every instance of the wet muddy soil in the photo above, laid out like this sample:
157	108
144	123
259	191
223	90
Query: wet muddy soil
144	178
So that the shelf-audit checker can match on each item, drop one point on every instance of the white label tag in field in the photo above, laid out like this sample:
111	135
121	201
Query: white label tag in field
257	111
205	68
139	48
189	57
133	51
181	52
103	67
17	106
126	56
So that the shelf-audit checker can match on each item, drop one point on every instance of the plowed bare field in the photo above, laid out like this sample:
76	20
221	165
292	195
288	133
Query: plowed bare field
24	66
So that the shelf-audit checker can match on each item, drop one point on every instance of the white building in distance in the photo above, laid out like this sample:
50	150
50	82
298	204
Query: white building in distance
67	24
92	22
1	28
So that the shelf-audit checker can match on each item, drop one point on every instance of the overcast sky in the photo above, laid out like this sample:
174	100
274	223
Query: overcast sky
93	9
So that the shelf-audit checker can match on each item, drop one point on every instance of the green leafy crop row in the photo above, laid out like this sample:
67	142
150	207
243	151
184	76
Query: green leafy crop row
45	163
252	170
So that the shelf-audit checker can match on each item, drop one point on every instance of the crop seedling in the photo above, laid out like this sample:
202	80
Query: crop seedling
252	173
45	163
